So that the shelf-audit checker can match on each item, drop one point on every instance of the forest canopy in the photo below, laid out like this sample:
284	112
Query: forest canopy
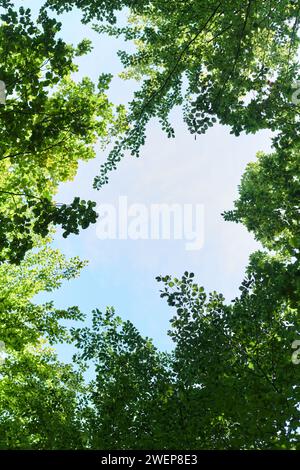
229	381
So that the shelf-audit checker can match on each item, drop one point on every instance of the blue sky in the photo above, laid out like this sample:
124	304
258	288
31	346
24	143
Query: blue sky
207	171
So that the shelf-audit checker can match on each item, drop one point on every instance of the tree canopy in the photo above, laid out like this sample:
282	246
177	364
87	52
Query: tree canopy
230	62
48	123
